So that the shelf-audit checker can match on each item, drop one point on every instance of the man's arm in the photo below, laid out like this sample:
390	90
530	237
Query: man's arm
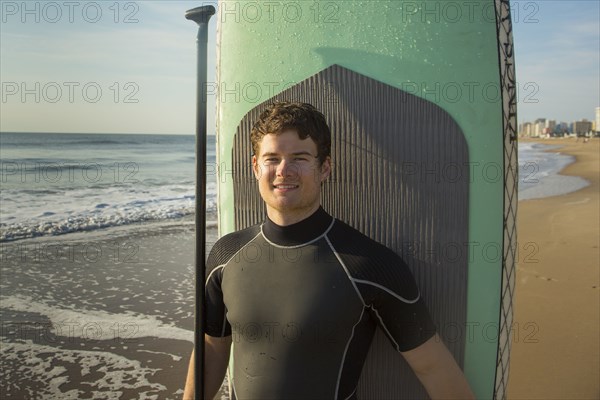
437	370
216	360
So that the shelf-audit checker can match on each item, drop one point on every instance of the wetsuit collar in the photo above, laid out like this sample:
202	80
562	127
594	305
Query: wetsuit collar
299	233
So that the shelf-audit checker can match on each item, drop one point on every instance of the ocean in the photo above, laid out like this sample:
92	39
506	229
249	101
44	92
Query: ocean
97	249
539	172
62	183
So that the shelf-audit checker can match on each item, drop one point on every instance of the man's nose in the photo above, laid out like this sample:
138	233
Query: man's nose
282	167
286	168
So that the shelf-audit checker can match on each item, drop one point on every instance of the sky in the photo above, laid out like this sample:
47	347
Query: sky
130	66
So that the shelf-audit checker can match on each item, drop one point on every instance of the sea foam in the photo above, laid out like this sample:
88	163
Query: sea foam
539	172
96	324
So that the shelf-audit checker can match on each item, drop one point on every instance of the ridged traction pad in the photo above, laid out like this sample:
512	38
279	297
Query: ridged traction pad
401	176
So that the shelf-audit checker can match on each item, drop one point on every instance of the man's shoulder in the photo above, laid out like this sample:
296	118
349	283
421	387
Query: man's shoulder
243	235
344	235
228	245
372	262
361	251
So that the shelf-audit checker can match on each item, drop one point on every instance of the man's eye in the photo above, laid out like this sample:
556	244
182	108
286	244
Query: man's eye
271	160
300	159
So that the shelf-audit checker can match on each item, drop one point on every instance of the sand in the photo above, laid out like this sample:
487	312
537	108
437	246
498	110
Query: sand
92	314
555	353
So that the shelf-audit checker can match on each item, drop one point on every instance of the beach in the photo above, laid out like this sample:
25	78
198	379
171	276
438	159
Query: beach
555	351
97	274
98	314
105	309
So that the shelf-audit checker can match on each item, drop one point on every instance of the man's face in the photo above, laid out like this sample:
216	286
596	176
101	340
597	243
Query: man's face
289	175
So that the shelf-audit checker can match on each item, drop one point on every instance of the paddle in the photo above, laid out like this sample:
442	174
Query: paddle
200	15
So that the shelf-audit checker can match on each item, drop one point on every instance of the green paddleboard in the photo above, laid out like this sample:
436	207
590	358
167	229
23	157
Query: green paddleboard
421	100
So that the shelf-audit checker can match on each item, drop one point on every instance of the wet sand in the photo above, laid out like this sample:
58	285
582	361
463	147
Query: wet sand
98	315
555	352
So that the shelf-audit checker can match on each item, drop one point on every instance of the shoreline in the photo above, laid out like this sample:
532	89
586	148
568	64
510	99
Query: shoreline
541	171
555	348
101	311
576	150
119	228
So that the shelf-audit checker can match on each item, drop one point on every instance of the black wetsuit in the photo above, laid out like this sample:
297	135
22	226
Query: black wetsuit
302	303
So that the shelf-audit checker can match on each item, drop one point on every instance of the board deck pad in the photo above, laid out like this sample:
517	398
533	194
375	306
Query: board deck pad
401	176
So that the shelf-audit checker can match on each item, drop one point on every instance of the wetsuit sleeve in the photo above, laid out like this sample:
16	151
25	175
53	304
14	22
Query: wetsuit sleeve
220	256
216	312
387	287
405	320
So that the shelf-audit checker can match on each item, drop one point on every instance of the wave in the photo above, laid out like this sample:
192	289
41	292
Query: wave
104	216
539	172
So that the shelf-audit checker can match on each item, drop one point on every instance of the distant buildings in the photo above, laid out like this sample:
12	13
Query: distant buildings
543	127
525	129
562	127
538	126
582	127
550	127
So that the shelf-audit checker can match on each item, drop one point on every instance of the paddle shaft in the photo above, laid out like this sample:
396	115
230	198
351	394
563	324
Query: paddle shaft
200	15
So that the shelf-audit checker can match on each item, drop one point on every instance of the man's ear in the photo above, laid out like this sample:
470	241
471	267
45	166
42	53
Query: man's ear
326	169
255	168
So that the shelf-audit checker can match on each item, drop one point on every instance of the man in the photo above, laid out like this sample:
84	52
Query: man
300	295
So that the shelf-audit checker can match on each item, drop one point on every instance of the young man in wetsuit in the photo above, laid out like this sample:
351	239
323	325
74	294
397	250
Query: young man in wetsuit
300	295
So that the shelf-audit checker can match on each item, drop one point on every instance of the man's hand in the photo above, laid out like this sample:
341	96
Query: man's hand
438	372
216	360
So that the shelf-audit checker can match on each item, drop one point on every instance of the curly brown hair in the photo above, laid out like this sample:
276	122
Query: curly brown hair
304	118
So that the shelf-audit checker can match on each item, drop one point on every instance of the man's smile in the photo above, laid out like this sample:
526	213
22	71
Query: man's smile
285	186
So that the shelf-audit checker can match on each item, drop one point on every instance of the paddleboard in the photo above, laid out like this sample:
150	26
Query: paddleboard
420	98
